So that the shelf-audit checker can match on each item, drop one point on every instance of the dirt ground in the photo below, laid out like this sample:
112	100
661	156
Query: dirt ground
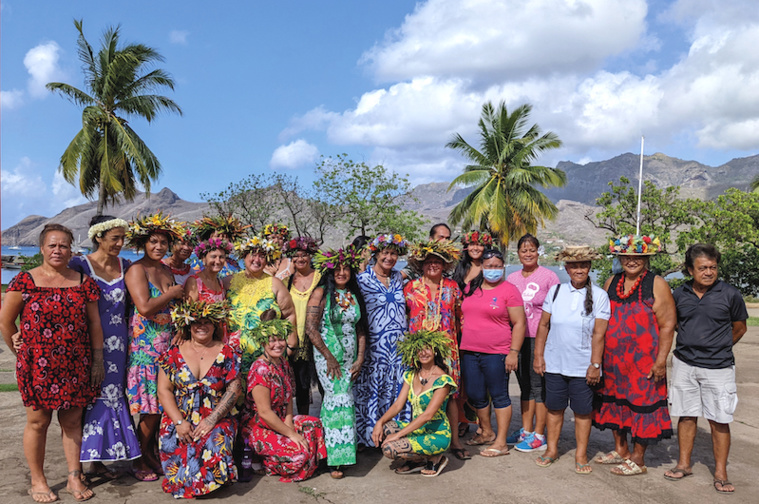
481	480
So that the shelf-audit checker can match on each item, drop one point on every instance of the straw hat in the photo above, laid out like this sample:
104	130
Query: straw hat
578	253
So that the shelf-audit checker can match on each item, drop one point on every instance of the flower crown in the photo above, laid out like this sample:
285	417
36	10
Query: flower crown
438	341
329	260
102	228
270	248
635	245
207	246
386	240
276	229
480	237
444	249
224	224
276	328
142	227
301	243
187	312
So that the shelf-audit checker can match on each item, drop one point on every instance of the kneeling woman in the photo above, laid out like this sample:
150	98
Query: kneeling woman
198	384
291	446
426	386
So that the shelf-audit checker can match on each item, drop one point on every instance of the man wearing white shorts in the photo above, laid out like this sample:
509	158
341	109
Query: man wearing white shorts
711	318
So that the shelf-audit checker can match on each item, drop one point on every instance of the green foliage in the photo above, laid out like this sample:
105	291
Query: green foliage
370	199
31	262
107	156
505	199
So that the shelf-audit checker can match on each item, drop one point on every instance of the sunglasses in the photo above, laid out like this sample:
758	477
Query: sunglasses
492	253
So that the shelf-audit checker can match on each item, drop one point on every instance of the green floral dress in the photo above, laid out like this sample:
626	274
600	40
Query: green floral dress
434	437
338	415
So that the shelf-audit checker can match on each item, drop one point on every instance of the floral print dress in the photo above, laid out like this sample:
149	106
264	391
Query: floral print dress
434	436
202	466
151	337
280	454
107	432
338	415
54	363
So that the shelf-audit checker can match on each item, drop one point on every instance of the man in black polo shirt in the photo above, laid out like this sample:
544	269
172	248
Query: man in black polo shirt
711	318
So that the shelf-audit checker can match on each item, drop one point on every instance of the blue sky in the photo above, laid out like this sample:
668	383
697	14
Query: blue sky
273	85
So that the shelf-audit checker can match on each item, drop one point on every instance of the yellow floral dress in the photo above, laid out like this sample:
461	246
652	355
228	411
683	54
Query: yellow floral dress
434	437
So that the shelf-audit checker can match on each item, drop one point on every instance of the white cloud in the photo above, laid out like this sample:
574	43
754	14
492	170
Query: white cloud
42	64
21	181
507	39
11	99
66	194
294	155
179	37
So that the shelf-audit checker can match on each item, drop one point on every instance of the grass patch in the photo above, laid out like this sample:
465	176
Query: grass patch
752	321
8	387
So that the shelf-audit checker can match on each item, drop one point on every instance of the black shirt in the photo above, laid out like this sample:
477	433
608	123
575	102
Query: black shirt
705	325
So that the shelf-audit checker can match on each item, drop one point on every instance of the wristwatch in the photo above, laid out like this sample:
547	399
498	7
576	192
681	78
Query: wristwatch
596	365
179	423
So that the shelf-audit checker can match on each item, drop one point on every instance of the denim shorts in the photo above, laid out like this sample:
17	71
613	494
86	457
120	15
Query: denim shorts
484	373
562	390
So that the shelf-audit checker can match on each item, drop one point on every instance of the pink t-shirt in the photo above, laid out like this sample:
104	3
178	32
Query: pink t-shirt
533	289
485	319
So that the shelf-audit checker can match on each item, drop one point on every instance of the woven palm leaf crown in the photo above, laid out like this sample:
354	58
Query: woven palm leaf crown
414	342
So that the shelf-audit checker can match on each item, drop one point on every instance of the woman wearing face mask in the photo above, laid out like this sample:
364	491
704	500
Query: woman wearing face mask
492	334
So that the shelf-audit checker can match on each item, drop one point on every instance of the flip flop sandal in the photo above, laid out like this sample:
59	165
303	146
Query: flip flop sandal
609	458
479	441
411	467
78	494
543	461
437	468
498	453
583	468
144	475
629	468
461	453
676	470
723	484
37	496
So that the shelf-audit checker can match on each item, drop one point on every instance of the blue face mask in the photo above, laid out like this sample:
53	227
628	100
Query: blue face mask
492	275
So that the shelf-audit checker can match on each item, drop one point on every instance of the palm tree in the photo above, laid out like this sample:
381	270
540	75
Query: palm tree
754	184
505	199
107	155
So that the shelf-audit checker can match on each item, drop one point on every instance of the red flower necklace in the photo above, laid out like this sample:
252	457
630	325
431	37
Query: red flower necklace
621	286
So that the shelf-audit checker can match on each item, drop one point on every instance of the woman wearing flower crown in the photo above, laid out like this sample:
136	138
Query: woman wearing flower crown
282	266
336	325
206	286
153	290
381	376
291	445
433	303
301	284
198	385
108	434
223	227
181	250
470	265
251	292
638	340
427	386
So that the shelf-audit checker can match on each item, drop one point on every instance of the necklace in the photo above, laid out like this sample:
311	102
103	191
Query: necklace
195	347
621	286
432	317
423	380
344	299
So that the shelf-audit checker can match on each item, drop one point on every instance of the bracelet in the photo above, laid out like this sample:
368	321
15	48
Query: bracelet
180	422
291	348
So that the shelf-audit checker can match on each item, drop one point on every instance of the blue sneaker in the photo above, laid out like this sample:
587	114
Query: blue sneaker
533	442
515	437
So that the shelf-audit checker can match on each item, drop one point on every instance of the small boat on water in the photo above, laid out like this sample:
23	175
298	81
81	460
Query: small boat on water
13	261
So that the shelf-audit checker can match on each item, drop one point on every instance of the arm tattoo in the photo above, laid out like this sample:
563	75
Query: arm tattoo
227	402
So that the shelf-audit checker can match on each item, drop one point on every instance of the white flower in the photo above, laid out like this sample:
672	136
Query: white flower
112	368
114	343
115	296
116	319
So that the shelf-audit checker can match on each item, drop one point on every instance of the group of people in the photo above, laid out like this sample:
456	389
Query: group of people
218	359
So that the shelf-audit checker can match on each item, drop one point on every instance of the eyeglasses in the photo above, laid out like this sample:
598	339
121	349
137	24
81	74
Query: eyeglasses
492	253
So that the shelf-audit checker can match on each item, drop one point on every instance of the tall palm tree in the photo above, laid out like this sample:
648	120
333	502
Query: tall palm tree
107	154
754	184
505	199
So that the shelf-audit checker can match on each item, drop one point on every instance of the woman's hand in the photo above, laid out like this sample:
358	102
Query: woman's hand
204	427
592	375
297	438
512	361
392	437
356	369
658	371
539	365
176	291
97	374
333	368
18	341
184	432
377	434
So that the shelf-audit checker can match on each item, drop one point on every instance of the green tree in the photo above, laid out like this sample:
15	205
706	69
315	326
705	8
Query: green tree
369	199
107	155
754	184
505	199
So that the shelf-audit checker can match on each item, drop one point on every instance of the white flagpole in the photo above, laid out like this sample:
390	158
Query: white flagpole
640	186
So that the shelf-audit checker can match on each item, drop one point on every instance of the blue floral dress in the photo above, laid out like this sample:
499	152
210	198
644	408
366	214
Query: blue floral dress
202	466
381	378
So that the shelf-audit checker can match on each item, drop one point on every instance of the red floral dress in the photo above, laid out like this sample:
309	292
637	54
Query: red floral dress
281	455
629	401
202	466
54	363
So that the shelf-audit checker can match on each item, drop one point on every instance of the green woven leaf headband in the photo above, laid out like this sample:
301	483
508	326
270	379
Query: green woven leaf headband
438	341
187	312
277	328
